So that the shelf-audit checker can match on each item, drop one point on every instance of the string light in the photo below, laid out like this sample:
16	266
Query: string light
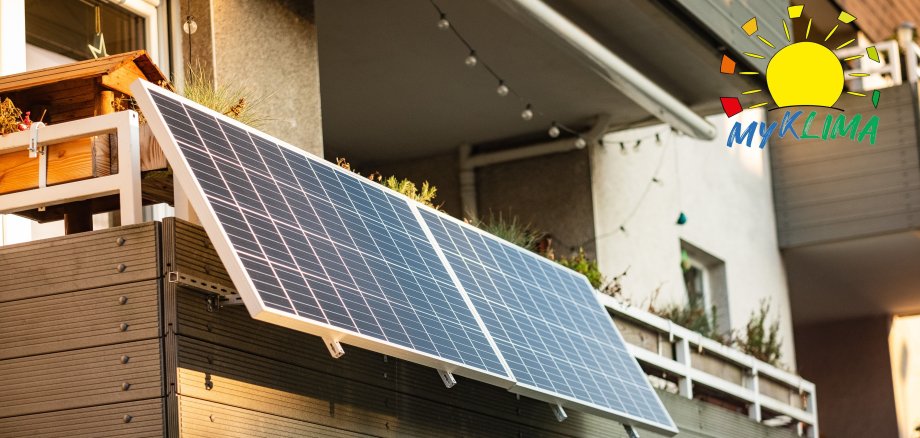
443	24
637	142
503	89
654	180
527	114
471	60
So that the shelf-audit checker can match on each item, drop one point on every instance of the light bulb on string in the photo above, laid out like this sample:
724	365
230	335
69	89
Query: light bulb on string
502	89
527	114
189	26
553	131
443	24
471	60
580	143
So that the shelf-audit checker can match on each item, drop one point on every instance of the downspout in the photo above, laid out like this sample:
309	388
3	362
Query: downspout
469	162
611	67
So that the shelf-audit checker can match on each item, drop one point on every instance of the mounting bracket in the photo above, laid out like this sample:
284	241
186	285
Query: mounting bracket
335	348
559	412
448	378
630	432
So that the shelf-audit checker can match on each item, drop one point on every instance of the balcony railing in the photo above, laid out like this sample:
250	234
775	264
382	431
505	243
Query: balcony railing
702	365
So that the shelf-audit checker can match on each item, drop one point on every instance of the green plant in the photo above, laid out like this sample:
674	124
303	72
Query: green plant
229	98
424	194
693	317
586	266
511	230
759	339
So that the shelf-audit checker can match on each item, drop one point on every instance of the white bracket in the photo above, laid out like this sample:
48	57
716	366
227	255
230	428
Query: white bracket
33	139
335	348
559	412
448	378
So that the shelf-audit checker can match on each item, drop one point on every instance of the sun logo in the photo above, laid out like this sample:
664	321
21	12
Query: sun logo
803	73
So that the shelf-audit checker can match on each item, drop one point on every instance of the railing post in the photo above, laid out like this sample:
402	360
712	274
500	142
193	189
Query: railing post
753	383
684	382
129	169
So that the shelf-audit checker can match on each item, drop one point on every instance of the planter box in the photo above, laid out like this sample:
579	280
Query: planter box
68	161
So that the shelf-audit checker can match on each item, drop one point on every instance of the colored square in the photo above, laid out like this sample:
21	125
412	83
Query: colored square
751	26
731	105
846	18
873	53
728	65
796	11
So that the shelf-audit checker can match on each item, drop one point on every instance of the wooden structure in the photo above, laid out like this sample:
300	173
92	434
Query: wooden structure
121	336
66	94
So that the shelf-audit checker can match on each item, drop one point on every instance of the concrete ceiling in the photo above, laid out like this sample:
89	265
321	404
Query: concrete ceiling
395	87
862	277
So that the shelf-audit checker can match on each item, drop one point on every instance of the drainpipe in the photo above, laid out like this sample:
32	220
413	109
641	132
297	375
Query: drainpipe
468	162
611	67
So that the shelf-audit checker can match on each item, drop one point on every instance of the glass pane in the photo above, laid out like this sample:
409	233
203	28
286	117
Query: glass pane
67	27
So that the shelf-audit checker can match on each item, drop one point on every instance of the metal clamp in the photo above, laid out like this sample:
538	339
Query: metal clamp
33	139
559	412
448	378
335	347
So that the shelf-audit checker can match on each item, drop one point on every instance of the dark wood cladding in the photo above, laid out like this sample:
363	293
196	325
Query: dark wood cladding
80	378
135	419
195	371
79	261
79	319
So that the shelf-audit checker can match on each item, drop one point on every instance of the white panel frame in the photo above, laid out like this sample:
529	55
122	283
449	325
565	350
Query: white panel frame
549	396
244	284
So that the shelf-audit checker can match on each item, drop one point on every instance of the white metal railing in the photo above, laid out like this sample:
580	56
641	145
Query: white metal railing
126	183
679	363
883	74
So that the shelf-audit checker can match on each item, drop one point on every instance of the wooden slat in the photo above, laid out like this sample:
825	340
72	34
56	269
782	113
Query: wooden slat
201	418
79	261
145	420
194	254
80	319
92	67
80	378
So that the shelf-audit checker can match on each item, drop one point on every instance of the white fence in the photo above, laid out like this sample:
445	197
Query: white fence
763	388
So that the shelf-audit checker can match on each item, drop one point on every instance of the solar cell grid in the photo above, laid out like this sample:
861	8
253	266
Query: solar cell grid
322	250
326	245
558	341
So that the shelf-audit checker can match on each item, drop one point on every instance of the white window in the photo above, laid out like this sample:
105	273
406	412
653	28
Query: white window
706	285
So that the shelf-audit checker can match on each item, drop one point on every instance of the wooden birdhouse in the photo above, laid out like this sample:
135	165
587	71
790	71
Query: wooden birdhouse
63	95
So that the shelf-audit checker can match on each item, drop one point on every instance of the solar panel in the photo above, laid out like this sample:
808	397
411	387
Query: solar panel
556	337
319	249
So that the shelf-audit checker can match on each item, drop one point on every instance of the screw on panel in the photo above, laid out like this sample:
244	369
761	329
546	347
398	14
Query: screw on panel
121	267
125	358
122	300
127	418
125	386
120	241
123	326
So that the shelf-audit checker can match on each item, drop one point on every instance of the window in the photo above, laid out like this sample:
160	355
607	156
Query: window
66	27
705	282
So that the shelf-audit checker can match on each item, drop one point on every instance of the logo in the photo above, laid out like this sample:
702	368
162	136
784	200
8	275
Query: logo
801	74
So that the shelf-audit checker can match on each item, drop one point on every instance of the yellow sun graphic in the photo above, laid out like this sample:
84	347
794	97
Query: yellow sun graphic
804	73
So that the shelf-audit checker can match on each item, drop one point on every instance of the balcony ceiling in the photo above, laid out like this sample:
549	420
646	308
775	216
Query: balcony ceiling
855	278
395	87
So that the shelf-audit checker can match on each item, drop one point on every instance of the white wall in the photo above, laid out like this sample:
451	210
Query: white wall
904	344
727	196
